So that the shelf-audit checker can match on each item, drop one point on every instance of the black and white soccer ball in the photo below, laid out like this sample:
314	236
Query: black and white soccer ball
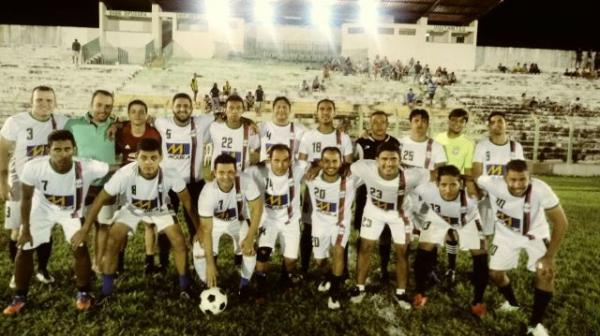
213	301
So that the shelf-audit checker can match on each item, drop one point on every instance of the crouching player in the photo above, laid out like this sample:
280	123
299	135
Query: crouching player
53	190
448	209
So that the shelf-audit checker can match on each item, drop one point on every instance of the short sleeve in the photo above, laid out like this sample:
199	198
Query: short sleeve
305	144
439	154
469	155
249	188
116	185
254	142
9	131
479	154
98	169
519	151
206	201
347	145
28	175
548	198
177	183
485	182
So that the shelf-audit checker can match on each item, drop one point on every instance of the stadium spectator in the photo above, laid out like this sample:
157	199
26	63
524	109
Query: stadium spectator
194	86
76	48
207	104
409	98
502	68
226	89
216	103
316	84
260	97
249	101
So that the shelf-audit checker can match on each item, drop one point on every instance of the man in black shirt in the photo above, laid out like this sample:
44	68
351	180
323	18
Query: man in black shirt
76	47
260	96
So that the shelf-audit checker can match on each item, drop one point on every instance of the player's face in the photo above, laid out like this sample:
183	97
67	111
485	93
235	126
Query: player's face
497	125
517	182
457	124
101	107
325	113
225	175
61	154
137	114
331	163
148	161
418	126
379	125
281	111
449	187
42	104
388	163
182	109
234	111
280	162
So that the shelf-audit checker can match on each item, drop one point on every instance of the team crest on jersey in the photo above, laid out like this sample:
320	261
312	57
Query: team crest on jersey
226	215
382	205
61	201
236	155
495	169
276	202
37	150
145	205
178	150
327	207
453	221
512	223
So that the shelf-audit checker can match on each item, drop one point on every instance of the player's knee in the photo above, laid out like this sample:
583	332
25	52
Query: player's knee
366	245
497	277
544	276
264	254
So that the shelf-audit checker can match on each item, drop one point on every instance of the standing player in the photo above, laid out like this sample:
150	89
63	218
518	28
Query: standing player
222	206
388	187
522	207
417	149
53	192
26	136
279	181
331	195
313	141
491	156
144	184
450	209
366	148
280	130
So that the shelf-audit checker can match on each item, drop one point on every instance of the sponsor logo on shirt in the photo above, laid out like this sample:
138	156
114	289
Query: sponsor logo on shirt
326	207
510	222
276	202
61	201
37	150
178	150
382	205
495	169
227	215
145	205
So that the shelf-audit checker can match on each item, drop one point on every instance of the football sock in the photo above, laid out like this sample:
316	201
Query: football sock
121	260
12	249
480	277
244	282
164	245
384	254
452	251
261	281
541	299
237	260
423	265
400	291
43	253
509	294
184	281
108	281
200	267
149	260
334	290
361	287
248	265
306	247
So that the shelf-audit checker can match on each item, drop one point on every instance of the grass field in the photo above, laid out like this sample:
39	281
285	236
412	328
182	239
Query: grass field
147	307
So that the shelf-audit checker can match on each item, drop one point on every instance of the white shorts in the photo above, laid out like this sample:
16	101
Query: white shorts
12	208
506	248
371	228
469	238
127	217
235	229
43	221
487	215
106	214
288	234
324	238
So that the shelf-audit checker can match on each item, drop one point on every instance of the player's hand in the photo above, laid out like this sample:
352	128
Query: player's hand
545	266
78	238
248	246
211	275
24	238
312	172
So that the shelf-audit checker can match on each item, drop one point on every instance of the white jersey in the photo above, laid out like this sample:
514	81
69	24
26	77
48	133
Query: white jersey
425	154
277	190
143	196
451	211
232	142
61	192
223	206
494	157
30	136
510	210
182	143
325	198
271	134
313	142
382	195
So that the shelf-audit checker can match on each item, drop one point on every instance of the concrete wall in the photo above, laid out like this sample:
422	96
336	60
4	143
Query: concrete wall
547	59
45	36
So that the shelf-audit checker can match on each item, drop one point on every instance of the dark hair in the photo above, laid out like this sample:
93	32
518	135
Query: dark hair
101	92
234	98
496	113
447	170
326	100
419	112
282	98
388	146
182	95
279	147
61	135
137	102
43	88
149	145
379	112
459	113
331	149
516	165
225	159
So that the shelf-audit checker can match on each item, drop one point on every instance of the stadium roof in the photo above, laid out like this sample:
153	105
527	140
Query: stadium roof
452	12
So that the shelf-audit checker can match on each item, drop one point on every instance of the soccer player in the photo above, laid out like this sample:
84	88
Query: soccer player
313	141
279	182
280	130
223	205
234	137
53	191
366	148
522	207
388	187
419	150
331	195
144	184
490	158
450	208
26	136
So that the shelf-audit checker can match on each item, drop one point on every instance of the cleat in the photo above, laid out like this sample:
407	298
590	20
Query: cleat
13	283
538	330
44	277
149	270
324	286
244	293
506	307
333	304
84	301
15	307
419	301
356	295
450	279
479	310
403	301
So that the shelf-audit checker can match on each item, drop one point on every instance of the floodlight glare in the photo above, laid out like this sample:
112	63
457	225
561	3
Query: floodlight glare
264	11
321	13
217	12
368	14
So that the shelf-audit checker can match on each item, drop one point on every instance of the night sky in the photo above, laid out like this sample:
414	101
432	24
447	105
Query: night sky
548	24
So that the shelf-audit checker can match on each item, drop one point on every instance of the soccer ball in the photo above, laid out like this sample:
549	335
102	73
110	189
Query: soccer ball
213	301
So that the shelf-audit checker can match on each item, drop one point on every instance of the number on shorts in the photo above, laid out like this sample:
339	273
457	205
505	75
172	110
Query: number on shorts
366	222
426	225
133	190
7	212
315	241
493	249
